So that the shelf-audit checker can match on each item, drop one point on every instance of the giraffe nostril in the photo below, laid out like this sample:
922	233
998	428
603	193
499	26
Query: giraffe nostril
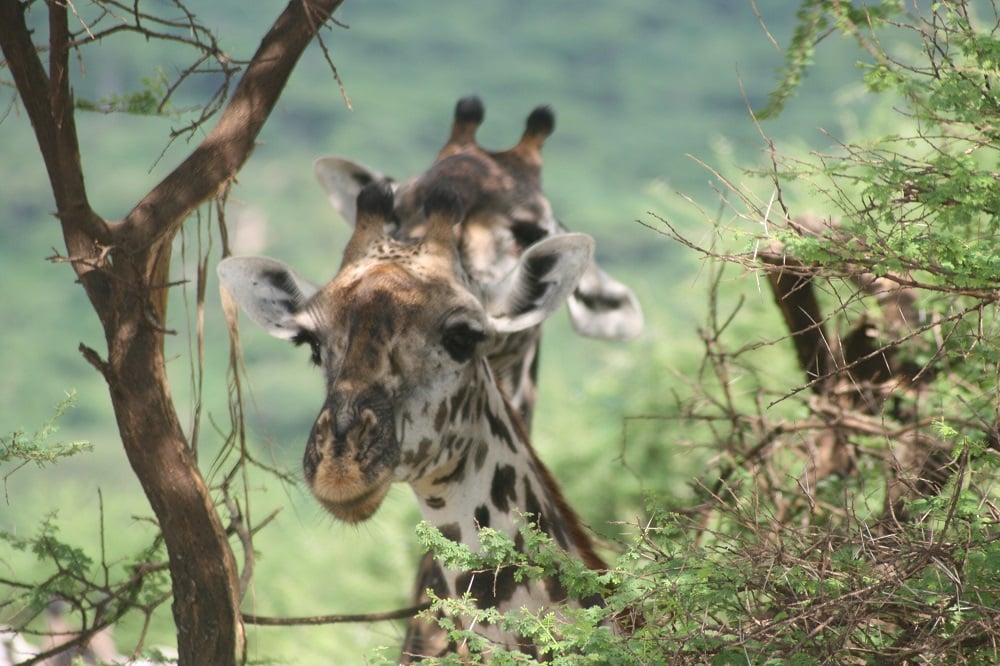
361	434
367	422
362	427
343	424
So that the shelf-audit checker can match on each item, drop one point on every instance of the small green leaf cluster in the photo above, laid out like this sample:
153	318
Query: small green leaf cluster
72	563
540	557
151	100
563	635
94	593
22	448
815	19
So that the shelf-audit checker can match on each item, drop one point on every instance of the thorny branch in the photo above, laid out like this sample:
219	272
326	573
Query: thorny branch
188	32
877	319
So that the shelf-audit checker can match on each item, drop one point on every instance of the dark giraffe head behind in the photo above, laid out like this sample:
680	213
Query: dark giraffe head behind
402	335
506	210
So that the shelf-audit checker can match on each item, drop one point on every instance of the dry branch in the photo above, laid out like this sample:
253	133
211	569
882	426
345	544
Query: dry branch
400	614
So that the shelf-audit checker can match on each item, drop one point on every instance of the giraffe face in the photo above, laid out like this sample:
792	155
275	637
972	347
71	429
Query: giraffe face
393	345
400	335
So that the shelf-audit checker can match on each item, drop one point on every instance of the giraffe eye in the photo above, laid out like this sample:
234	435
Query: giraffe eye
527	232
309	338
460	340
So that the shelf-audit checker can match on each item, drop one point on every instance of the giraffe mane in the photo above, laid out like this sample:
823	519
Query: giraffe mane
577	531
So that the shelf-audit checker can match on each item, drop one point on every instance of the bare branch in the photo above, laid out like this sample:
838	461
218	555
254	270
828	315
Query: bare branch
217	159
49	104
399	614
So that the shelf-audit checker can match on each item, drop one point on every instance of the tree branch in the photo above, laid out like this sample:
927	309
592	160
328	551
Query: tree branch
400	614
221	154
49	105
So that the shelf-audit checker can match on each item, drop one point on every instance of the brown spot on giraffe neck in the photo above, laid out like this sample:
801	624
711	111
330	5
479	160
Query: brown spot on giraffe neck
490	588
503	488
441	416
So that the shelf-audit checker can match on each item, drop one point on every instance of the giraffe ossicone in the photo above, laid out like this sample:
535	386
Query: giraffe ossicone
506	212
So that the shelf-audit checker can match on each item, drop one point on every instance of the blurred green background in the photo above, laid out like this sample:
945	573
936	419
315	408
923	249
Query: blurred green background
638	86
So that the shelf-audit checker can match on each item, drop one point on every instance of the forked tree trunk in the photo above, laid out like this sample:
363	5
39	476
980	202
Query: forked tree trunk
124	269
852	376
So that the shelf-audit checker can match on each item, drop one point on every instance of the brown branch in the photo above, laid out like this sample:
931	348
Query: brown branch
400	614
126	289
76	641
94	359
49	104
221	154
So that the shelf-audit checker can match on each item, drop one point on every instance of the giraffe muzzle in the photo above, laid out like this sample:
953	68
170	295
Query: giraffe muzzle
350	457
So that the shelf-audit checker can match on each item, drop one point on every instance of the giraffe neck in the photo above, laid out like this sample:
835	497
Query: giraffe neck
515	365
494	479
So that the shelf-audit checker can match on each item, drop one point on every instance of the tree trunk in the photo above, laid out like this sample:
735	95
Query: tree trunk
124	269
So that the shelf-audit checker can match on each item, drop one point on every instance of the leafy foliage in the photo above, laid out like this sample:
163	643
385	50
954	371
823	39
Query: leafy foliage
851	515
22	449
562	636
817	20
151	100
92	592
98	592
749	589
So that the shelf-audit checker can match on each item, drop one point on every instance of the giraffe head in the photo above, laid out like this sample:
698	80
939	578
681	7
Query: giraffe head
400	333
506	212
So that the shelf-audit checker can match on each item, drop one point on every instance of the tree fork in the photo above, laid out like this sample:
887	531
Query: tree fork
129	296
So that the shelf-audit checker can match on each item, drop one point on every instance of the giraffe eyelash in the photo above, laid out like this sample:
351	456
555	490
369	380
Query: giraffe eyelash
307	337
460	340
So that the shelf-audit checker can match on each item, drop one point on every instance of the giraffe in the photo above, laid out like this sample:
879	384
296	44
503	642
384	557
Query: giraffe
507	213
403	334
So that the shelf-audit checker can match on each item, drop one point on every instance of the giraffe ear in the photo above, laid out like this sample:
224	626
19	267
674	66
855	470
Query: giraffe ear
269	292
343	179
545	276
602	307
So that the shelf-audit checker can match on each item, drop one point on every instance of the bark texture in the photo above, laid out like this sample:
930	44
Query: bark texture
124	268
